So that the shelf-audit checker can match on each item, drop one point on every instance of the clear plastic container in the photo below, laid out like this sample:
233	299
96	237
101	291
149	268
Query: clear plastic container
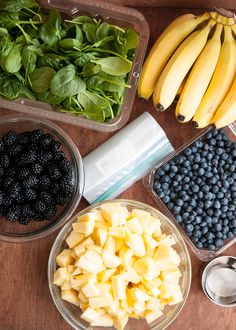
72	313
121	16
148	180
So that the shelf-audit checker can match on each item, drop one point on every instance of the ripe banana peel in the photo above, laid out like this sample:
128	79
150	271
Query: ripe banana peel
178	67
199	78
221	81
162	50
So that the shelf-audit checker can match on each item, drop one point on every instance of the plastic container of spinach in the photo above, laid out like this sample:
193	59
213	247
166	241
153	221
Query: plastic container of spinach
120	17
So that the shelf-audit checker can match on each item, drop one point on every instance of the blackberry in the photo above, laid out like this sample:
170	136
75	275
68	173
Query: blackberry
61	199
66	166
54	173
46	140
14	189
56	147
66	188
5	161
27	212
1	171
50	213
36	135
13	213
55	188
44	182
24	220
24	138
39	217
1	145
8	182
28	158
40	206
37	168
46	197
44	157
1	198
19	198
14	150
30	182
10	138
23	174
30	194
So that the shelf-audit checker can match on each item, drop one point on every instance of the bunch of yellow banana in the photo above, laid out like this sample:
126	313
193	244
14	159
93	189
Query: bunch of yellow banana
194	59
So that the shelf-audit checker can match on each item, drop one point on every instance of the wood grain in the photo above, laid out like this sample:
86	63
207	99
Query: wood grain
25	299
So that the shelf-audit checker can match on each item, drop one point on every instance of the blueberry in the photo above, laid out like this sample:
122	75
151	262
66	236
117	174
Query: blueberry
166	167
211	247
208	204
174	169
217	205
195	188
166	199
170	205
178	218
189	228
217	213
204	230
219	243
201	171
208	196
220	195
165	186
230	234
218	227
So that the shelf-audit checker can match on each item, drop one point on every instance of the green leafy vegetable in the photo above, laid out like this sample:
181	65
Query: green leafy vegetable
79	65
66	82
41	78
115	66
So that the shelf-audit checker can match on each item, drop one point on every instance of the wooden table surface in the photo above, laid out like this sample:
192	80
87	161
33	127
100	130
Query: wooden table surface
25	299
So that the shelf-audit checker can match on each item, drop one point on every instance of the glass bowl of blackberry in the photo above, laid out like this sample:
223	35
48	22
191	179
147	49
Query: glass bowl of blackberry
41	178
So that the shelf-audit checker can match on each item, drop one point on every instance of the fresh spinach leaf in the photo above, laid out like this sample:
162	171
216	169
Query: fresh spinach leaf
26	93
49	98
10	86
72	105
90	31
81	20
29	58
69	43
102	31
131	39
115	66
53	60
66	82
12	62
8	20
41	78
85	58
90	69
51	31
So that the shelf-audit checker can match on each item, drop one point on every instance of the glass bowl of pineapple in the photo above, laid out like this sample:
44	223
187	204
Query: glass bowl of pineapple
119	264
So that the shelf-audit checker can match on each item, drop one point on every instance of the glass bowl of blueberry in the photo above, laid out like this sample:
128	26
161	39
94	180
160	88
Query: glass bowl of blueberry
196	188
41	178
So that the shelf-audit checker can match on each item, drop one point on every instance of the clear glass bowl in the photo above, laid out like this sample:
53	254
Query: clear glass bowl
15	232
202	254
72	313
113	14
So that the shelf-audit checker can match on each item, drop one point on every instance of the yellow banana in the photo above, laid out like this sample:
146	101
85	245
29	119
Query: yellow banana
223	16
178	67
163	48
226	113
221	81
199	78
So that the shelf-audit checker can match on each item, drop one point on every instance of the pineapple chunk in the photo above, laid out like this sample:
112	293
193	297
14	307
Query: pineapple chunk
126	255
171	275
91	262
74	238
83	244
115	214
102	236
135	295
82	297
119	286
135	242
100	301
153	315
145	268
90	216
131	275
61	275
117	231
65	258
90	289
79	250
104	321
119	244
110	245
70	296
172	292
126	306
120	322
113	306
166	258
91	315
153	286
71	268
153	226
102	224
95	248
143	217
106	275
153	303
110	260
134	226
77	271
84	227
167	240
66	285
80	280
150	243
